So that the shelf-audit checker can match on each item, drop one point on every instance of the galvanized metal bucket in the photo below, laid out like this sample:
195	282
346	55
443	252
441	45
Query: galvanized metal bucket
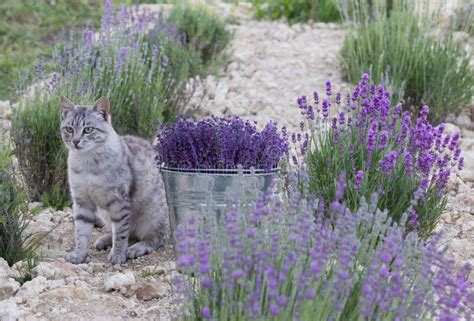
209	192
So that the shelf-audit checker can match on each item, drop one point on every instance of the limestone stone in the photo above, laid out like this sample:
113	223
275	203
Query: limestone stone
9	310
119	281
8	288
147	291
56	269
33	287
5	270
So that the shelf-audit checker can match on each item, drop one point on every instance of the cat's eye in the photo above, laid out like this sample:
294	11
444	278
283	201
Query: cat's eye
69	129
88	130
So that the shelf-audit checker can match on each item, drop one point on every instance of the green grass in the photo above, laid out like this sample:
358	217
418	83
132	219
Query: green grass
297	11
15	243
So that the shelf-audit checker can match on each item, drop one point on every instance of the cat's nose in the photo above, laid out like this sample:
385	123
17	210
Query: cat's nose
76	141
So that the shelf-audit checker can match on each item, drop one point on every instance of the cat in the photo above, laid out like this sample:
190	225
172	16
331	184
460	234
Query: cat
116	175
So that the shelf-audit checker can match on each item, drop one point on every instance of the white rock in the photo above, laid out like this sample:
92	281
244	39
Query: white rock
461	247
119	281
8	288
33	288
452	129
147	291
34	205
169	266
233	66
463	120
57	270
9	310
5	270
467	143
221	92
467	175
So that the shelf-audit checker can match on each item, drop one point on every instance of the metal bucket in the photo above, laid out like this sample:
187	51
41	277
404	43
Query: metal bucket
209	192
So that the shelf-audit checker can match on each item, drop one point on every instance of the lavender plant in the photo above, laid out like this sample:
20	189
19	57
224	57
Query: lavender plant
277	262
393	45
205	34
378	148
138	60
219	143
300	11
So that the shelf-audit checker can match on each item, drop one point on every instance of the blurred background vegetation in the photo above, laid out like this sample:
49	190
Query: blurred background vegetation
31	27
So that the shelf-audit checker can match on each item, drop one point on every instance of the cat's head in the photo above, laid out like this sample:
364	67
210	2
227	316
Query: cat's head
84	128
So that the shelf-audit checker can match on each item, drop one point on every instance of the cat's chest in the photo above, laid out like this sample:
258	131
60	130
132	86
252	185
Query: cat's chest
99	179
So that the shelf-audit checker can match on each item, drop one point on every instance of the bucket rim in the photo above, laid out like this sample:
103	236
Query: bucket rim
215	171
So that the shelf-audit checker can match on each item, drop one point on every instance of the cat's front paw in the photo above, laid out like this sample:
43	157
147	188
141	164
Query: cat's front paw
117	258
75	257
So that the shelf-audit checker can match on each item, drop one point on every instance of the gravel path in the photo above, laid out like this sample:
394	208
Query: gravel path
272	64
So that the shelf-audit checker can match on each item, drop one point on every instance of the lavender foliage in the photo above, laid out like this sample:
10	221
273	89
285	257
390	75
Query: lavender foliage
407	161
219	143
277	261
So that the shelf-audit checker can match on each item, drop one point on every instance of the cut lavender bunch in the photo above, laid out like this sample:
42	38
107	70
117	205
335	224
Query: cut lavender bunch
219	143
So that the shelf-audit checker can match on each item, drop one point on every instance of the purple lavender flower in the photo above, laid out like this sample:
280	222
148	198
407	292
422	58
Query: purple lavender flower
457	153
388	162
461	163
325	107
371	138
89	38
383	139
359	177
206	313
413	219
328	88
316	98
342	118
408	164
454	141
338	98
123	52
340	186
218	143
355	94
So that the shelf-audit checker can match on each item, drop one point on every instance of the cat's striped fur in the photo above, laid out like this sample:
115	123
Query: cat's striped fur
116	175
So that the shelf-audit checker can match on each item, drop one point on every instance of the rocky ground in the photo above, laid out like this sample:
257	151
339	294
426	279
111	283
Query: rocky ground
271	65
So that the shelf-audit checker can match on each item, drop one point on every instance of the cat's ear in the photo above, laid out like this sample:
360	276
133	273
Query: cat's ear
102	106
66	106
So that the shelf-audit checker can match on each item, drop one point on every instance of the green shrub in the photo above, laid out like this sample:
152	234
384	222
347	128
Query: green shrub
419	69
298	10
39	150
205	33
463	17
15	243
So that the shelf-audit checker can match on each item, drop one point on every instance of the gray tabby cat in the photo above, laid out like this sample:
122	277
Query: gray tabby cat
113	174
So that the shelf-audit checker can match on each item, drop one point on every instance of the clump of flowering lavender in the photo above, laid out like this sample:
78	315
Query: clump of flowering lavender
137	59
276	261
407	161
220	143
